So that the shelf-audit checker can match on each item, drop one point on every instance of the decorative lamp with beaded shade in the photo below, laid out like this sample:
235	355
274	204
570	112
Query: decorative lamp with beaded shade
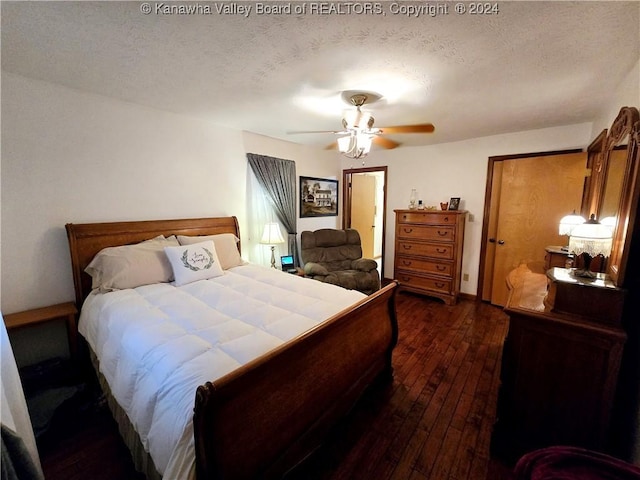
568	223
591	238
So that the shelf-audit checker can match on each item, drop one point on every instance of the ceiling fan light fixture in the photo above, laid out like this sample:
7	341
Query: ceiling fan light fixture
358	132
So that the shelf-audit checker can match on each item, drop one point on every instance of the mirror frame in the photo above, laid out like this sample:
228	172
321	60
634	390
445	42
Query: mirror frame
625	126
594	180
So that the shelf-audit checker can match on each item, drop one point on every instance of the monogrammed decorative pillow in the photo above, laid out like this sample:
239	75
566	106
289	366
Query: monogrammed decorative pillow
226	247
190	263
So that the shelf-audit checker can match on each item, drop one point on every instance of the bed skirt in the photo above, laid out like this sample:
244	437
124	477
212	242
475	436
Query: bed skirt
142	461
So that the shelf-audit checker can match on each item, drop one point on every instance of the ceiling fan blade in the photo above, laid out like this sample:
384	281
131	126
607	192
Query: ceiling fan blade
385	142
419	128
294	132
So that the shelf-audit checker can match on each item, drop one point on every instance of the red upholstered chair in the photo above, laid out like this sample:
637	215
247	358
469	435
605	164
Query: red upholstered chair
572	463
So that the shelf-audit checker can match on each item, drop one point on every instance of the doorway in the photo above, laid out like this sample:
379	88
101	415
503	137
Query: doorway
365	207
526	196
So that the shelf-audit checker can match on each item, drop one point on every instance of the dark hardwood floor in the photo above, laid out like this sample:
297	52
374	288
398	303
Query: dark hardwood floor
433	421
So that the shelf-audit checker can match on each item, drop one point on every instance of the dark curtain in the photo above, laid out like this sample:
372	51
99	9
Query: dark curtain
277	177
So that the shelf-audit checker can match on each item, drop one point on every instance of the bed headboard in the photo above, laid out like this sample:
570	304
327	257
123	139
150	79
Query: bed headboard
87	239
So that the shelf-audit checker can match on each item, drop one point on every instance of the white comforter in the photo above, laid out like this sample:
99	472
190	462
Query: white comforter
157	343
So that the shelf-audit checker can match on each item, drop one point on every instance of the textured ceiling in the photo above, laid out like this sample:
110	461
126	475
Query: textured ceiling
532	65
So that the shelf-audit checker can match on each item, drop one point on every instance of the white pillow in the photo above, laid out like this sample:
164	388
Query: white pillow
190	263
130	266
226	247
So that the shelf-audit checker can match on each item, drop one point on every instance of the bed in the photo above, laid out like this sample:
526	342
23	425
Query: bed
264	417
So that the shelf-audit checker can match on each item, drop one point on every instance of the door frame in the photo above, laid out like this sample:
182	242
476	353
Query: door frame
487	204
346	199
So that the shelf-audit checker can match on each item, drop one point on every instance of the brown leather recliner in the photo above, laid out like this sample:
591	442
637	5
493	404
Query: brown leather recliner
335	256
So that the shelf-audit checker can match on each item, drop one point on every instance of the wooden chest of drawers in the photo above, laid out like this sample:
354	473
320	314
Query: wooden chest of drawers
428	253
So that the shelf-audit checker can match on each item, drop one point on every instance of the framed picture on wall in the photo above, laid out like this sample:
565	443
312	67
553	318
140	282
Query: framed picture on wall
318	197
454	203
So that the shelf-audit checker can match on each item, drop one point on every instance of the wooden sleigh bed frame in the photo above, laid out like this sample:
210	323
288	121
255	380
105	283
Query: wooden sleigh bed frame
266	417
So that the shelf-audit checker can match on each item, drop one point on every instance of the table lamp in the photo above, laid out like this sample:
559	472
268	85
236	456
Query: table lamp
568	223
593	239
272	236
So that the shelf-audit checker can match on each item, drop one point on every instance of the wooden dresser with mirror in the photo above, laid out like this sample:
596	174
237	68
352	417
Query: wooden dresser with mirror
570	365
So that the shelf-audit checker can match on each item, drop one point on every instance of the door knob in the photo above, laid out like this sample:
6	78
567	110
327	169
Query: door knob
492	240
500	242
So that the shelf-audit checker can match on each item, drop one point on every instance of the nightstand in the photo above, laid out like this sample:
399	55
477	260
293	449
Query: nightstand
66	311
555	256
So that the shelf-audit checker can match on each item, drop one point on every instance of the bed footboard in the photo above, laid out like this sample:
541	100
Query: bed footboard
265	418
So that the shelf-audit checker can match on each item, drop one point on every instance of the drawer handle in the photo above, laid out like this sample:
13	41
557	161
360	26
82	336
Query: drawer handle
408	230
406	247
443	234
404	217
406	263
441	250
441	268
446	219
439	285
406	279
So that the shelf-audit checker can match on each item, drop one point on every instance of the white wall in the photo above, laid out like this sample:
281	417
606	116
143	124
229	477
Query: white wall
75	157
626	95
459	169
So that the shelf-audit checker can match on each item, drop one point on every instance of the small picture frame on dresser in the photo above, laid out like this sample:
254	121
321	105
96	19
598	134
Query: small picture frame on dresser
454	203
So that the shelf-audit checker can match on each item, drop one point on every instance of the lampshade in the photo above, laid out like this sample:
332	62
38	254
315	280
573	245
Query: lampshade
344	143
271	234
609	222
355	145
569	222
592	238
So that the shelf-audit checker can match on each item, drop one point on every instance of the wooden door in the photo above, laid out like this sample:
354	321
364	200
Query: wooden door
363	210
492	229
534	194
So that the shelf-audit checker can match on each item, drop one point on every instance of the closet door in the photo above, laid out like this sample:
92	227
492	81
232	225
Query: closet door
363	211
534	194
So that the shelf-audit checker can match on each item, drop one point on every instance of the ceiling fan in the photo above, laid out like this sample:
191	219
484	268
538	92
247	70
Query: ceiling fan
358	132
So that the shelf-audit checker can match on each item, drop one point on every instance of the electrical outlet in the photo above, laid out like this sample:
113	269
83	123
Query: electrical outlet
471	217
465	277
